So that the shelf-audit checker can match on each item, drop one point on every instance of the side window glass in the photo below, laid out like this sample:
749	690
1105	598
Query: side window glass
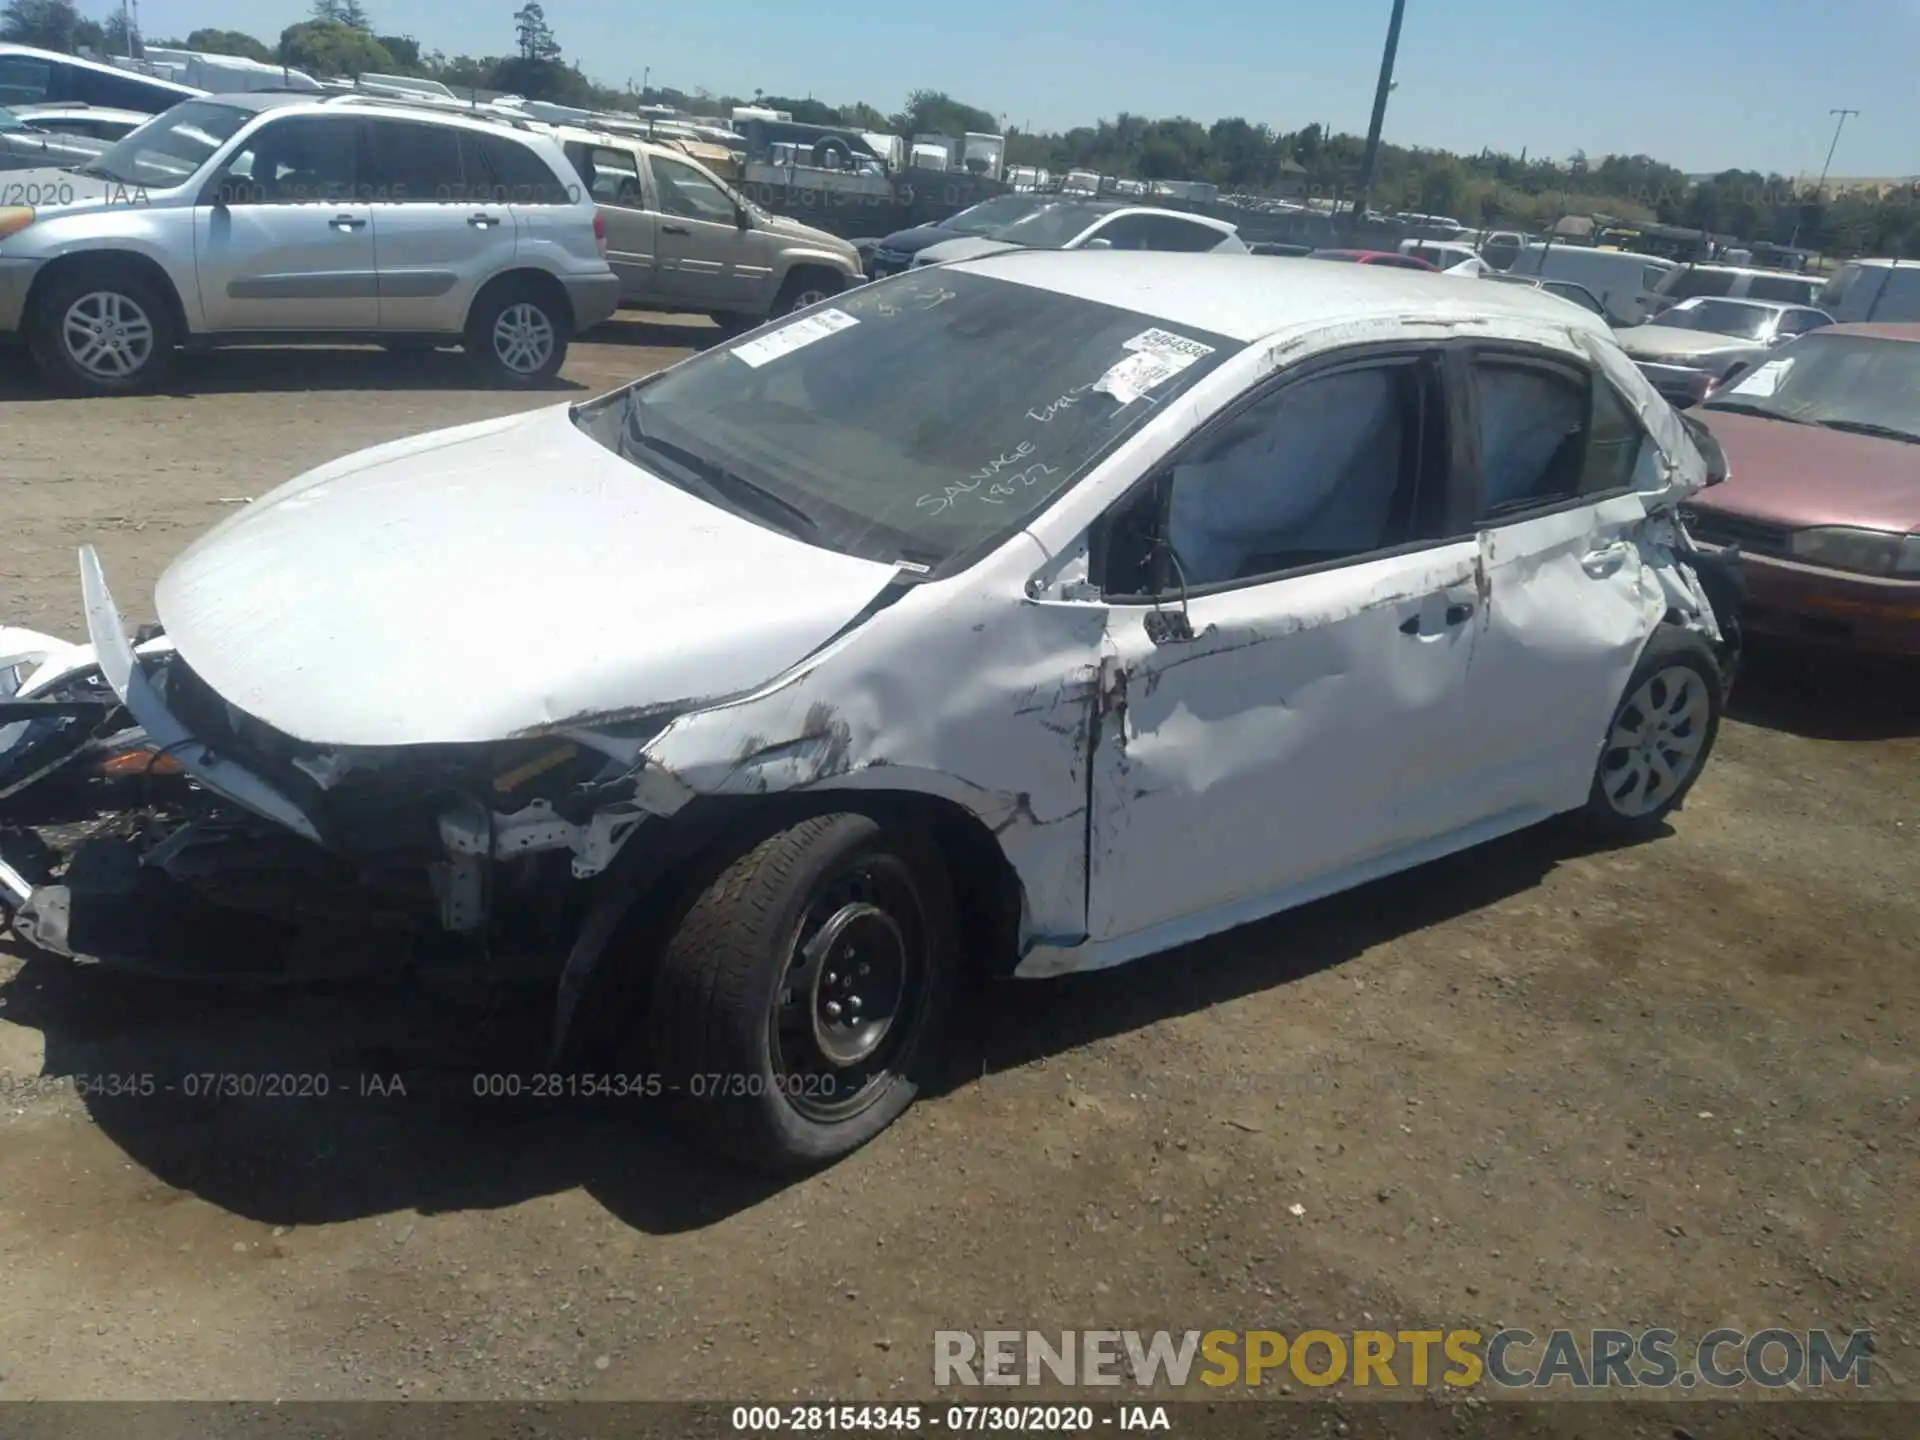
616	179
415	164
1615	446
294	162
506	171
684	191
1533	424
24	80
1321	470
1179	236
1129	232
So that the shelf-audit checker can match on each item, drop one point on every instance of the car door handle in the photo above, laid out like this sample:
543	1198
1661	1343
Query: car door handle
347	222
1604	561
674	230
482	222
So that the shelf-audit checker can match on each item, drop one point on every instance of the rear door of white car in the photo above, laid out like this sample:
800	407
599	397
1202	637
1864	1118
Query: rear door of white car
1289	706
1560	466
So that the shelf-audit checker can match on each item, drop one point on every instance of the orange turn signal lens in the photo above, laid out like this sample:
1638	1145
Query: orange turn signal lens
127	764
14	218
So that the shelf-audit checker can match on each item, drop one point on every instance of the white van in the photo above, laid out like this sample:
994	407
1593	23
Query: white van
42	77
1623	281
1882	291
1736	282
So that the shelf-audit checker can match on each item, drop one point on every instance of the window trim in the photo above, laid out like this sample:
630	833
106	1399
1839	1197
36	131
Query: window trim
1415	354
222	160
1522	355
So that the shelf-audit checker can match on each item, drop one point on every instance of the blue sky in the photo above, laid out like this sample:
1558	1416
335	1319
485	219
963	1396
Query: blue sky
1705	84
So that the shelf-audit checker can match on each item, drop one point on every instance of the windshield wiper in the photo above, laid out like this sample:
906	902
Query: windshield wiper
1867	427
98	172
720	483
1741	407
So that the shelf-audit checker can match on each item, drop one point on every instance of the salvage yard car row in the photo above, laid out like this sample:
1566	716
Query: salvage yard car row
273	217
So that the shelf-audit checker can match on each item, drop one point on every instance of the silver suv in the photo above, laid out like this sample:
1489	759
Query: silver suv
681	239
251	218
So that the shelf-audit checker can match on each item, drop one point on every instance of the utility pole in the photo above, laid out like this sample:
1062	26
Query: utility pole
1372	152
126	24
1820	189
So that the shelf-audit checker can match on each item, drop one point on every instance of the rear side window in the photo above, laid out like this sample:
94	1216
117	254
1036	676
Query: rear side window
1780	287
1533	426
507	172
122	92
24	80
612	176
414	164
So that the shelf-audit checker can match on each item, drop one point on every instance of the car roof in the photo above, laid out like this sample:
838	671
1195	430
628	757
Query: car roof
9	47
1694	302
1882	331
384	107
1248	297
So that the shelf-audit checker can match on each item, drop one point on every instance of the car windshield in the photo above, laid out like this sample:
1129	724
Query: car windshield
1047	226
1722	317
924	418
168	149
1846	382
1001	210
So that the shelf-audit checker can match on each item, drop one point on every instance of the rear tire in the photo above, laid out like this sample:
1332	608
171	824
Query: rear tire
97	333
1659	738
797	1008
517	336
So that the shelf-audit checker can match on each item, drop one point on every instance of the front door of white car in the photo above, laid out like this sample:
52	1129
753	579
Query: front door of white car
1564	472
1291	704
281	238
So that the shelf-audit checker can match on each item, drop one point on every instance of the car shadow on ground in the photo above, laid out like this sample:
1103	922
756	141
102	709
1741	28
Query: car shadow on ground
327	1103
278	370
647	330
1819	695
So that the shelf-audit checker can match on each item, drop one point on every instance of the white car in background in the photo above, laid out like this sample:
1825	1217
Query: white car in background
1073	224
1023	615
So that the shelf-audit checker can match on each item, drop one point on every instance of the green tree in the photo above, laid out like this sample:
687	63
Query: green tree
804	112
231	42
48	24
349	13
539	79
535	38
934	112
328	47
405	51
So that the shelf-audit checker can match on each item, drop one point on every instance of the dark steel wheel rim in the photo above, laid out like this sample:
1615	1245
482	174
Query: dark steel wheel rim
849	1000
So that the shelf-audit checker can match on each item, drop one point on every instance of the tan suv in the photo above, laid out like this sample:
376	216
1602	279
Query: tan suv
681	239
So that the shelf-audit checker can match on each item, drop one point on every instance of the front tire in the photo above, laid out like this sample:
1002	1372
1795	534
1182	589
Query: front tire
97	333
796	1010
1659	738
517	336
804	288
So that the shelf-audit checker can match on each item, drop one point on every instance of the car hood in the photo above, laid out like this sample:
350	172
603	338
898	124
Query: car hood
962	247
503	578
1799	475
790	229
1670	342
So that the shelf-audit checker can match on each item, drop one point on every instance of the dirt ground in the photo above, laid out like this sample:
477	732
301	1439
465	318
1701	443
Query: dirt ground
1535	1084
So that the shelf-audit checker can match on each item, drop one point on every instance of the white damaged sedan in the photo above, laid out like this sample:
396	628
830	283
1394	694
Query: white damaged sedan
1026	615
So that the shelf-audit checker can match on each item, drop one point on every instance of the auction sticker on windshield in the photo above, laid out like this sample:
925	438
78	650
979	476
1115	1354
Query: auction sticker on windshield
789	338
1765	380
1140	372
1165	342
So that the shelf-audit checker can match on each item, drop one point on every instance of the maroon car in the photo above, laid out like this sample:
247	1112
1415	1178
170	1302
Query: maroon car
1823	496
1377	257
